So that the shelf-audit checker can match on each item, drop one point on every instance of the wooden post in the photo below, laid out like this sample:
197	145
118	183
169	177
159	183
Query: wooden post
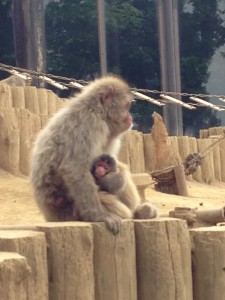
180	180
51	103
15	277
70	260
43	101
173	140
5	96
220	131
31	99
114	263
184	149
24	118
163	255
32	245
9	141
197	175
18	96
207	162
149	152
208	257
217	162
136	152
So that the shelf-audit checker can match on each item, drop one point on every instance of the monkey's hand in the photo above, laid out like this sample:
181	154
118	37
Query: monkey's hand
112	222
112	182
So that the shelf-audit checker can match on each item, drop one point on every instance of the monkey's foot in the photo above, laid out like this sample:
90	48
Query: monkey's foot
113	222
145	211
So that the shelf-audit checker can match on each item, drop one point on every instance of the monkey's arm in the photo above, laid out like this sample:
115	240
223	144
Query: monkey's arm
112	182
84	191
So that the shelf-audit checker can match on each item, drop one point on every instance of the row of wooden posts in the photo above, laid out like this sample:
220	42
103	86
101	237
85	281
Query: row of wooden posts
24	111
138	151
153	259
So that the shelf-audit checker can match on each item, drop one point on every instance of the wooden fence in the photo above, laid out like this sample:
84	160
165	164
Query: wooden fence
26	110
23	112
157	259
138	151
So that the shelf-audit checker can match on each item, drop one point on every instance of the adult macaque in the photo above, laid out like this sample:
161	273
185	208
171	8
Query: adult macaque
65	149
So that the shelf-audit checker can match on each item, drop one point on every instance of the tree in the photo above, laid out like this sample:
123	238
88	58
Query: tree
202	32
71	37
7	55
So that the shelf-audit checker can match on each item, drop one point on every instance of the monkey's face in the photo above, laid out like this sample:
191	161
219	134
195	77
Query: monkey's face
103	165
119	117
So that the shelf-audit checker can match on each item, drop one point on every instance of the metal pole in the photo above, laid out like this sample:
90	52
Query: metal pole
170	62
102	36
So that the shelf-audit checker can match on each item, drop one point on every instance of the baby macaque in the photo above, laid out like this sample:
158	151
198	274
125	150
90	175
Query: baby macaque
106	174
113	177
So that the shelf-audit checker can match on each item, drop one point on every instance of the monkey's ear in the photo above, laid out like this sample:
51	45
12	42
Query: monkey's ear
107	97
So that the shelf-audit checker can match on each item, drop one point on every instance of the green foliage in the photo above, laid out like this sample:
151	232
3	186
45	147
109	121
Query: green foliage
202	32
6	34
71	37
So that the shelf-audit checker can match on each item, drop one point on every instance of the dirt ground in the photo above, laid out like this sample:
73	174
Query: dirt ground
18	207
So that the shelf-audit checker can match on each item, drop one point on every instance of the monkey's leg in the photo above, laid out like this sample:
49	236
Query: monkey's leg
113	205
145	211
51	212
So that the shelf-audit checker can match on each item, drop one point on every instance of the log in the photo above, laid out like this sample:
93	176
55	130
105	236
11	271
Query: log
212	131
217	162
31	99
18	96
207	162
114	263
204	134
173	141
181	182
163	256
136	152
31	245
70	260
15	276
42	101
25	123
199	217
149	152
9	141
184	149
222	159
5	96
208	261
36	127
52	103
197	175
